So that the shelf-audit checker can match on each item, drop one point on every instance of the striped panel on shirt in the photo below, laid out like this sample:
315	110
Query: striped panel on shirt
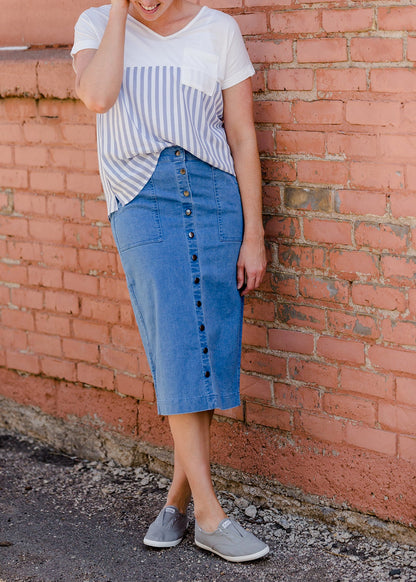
155	110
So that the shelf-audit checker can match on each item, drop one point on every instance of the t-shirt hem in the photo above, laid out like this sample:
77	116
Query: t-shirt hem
247	72
84	44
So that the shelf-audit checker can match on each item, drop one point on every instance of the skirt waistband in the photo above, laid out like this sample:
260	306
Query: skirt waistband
177	153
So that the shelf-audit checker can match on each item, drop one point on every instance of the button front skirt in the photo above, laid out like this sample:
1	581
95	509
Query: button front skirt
179	240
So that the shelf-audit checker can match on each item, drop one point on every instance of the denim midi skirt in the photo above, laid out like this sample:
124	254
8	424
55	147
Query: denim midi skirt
179	241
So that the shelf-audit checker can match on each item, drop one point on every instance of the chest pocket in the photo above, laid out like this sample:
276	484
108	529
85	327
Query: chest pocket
199	70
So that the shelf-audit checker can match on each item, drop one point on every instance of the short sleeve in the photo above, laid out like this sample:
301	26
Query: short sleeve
86	36
238	66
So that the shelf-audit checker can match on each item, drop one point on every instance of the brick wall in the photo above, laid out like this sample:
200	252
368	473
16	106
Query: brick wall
329	362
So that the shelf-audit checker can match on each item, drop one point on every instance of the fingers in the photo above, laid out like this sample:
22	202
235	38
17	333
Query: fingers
253	280
240	275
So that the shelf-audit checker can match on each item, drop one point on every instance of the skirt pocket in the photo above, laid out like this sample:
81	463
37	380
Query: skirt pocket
229	209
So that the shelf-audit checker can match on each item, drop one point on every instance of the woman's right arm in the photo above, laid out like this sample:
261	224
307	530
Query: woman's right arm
99	73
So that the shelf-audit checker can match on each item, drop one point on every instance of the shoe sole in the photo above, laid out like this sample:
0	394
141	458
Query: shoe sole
156	544
246	558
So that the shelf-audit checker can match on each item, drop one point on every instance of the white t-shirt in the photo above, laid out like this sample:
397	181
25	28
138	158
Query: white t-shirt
171	94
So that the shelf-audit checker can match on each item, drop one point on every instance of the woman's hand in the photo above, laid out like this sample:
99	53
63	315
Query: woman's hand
251	264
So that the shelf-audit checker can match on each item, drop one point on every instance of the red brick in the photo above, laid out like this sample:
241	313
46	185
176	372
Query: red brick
370	438
13	226
379	296
74	349
44	133
64	257
84	183
300	142
325	172
411	177
46	230
407	448
382	236
327	231
10	133
24	362
22	251
47	181
375	50
397	18
377	113
96	210
272	112
95	376
400	147
29	204
92	261
403	204
31	156
353	263
320	427
406	390
322	50
87	330
61	302
368	383
136	387
341	80
44	277
58	369
107	239
13	339
82	283
322	112
282	227
119	360
68	158
393	359
290	396
54	324
341	350
11	178
324	289
298	257
295	22
268	416
274	170
270	51
301	316
272	3
358	202
101	310
254	335
265	141
290	79
17	319
258	82
313	373
44	344
398	418
353	324
284	284
126	337
291	341
255	388
63	207
350	407
267	364
254	23
412	301
353	146
349	20
378	176
79	134
16	108
81	235
112	287
411	48
13	273
402	333
393	80
27	298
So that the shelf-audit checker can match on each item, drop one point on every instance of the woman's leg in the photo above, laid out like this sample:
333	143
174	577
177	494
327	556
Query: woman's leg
192	451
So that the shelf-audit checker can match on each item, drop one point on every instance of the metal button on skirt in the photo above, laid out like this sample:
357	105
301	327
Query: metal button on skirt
179	240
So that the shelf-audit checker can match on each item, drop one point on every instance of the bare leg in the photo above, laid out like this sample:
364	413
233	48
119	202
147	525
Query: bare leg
180	493
192	451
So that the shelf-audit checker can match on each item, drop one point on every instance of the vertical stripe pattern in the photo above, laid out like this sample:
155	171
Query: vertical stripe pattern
155	110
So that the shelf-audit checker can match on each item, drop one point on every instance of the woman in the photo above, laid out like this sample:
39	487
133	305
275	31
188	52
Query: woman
170	82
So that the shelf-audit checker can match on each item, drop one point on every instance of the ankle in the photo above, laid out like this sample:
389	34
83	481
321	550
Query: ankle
209	520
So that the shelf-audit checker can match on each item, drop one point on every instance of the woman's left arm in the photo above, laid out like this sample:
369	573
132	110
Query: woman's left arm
241	136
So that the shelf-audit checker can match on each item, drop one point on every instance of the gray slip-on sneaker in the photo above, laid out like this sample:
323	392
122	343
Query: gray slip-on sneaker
168	528
232	542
